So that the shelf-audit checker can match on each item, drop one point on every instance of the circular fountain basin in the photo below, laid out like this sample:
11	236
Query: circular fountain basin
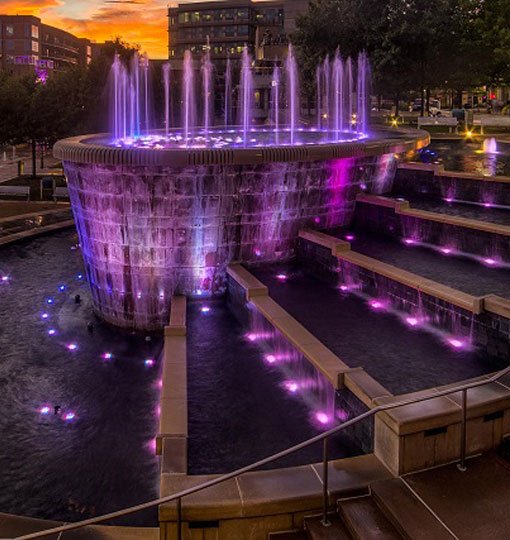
156	221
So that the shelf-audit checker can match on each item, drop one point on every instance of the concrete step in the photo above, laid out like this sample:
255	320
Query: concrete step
410	516
316	530
366	521
288	535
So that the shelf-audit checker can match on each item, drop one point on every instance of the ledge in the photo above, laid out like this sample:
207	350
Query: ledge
439	170
87	149
36	231
248	281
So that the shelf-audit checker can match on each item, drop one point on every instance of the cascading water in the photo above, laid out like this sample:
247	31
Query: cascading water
490	146
342	104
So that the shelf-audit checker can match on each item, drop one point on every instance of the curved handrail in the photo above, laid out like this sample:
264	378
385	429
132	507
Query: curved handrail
262	462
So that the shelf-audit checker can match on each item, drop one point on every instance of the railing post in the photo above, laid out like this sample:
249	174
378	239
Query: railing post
179	519
462	462
325	521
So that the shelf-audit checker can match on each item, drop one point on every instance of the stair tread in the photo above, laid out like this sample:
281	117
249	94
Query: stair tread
317	531
366	521
288	535
406	512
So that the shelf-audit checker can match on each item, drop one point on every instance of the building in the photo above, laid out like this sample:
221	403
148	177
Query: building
27	44
227	26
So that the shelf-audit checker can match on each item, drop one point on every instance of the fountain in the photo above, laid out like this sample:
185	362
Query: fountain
163	209
490	146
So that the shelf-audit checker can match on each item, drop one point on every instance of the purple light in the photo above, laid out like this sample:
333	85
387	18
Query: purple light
446	250
80	276
363	186
45	315
270	358
291	386
49	301
149	362
152	445
342	415
317	220
487	205
281	277
5	279
456	343
489	261
251	336
107	356
344	288
69	416
409	241
199	292
51	332
257	252
349	237
412	321
44	410
62	288
205	309
72	346
376	304
322	418
449	199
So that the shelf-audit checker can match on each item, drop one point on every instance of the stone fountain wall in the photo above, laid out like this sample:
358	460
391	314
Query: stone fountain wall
149	232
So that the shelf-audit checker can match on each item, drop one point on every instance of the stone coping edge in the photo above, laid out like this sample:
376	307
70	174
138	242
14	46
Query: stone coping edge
36	231
271	492
65	207
171	440
83	149
404	208
439	170
333	368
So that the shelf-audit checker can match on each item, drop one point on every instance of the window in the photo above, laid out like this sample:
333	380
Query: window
35	31
9	30
35	46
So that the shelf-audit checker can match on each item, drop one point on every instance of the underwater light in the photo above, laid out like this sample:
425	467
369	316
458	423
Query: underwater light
72	346
69	416
291	386
107	356
205	309
446	250
149	362
322	417
281	277
412	321
62	288
5	278
270	358
51	332
44	410
456	343
45	315
489	261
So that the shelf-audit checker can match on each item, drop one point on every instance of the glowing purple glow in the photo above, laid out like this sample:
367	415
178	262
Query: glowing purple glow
45	315
291	386
149	362
322	418
449	199
69	416
257	252
317	220
49	301
205	309
152	445
376	304
349	237
44	410
409	241
281	277
446	250
342	415
72	346
456	343
344	288
412	321
270	358
62	288
363	186
5	279
489	261
487	205
251	336
80	276
52	332
107	356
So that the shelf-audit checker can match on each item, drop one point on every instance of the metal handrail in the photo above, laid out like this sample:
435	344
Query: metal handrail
321	437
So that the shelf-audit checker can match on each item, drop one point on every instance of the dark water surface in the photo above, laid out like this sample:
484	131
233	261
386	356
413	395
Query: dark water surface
238	411
102	459
401	358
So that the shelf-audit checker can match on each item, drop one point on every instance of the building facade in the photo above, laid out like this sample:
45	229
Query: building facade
28	45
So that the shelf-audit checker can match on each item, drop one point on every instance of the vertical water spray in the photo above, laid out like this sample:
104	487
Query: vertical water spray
166	82
187	98
349	91
326	70
207	88
275	102
228	92
338	93
246	89
362	92
292	93
145	69
318	90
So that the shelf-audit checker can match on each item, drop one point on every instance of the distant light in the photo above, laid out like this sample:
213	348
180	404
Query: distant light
322	417
205	309
412	321
469	134
149	362
349	237
446	251
344	288
257	252
139	295
52	332
49	301
291	386
44	410
281	277
376	304
69	416
161	295
489	261
107	356
199	292
270	358
449	199
45	315
62	288
409	241
487	204
251	336
363	186
80	276
72	346
5	279
317	220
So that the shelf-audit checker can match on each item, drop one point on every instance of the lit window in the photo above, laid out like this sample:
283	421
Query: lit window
35	31
9	30
35	46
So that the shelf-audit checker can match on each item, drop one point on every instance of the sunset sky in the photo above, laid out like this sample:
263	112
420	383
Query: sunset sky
137	21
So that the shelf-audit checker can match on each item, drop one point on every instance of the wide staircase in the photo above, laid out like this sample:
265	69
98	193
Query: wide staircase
389	510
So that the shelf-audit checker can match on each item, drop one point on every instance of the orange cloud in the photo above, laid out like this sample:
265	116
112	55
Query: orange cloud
142	22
